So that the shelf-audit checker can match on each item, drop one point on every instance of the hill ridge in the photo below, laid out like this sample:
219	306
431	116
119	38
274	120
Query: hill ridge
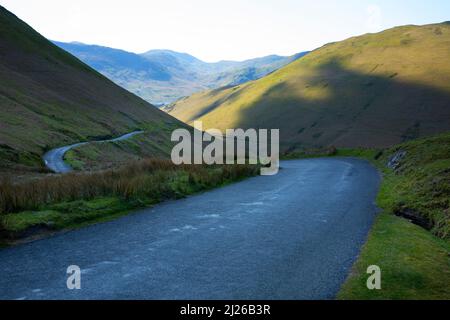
373	90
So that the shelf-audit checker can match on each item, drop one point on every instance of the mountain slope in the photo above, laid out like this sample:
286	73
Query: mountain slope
162	76
109	61
373	90
49	98
156	77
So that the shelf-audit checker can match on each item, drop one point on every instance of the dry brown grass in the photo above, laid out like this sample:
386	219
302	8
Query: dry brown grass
145	178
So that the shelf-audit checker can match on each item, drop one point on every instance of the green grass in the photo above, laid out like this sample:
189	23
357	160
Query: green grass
71	159
414	263
421	183
368	154
154	142
68	215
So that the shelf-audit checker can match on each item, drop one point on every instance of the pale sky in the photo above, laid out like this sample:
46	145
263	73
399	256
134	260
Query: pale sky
215	30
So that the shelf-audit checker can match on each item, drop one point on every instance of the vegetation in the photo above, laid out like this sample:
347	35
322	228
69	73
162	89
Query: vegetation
57	202
48	98
421	182
415	265
99	156
374	90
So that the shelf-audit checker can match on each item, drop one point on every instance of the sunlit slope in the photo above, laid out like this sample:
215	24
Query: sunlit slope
49	98
371	90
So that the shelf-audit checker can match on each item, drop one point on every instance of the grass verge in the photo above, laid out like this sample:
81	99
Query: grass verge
414	263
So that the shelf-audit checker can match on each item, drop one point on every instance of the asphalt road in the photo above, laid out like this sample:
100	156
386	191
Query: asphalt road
54	159
290	236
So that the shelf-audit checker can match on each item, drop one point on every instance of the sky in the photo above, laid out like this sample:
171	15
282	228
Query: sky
215	30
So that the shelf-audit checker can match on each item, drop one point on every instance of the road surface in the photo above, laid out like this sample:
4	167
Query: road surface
290	236
54	159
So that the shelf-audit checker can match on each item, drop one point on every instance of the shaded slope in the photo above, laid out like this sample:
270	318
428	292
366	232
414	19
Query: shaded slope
49	98
372	90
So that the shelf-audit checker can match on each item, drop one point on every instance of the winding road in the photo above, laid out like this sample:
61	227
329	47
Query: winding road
294	235
54	159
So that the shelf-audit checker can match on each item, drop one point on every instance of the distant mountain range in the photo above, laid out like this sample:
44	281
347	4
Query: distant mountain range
163	76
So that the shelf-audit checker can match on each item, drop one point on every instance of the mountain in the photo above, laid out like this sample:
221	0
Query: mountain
49	98
110	60
162	76
373	90
228	73
175	61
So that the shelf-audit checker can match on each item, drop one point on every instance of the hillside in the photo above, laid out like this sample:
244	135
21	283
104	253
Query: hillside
49	98
373	90
162	76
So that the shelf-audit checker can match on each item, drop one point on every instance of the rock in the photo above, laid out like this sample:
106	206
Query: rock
395	161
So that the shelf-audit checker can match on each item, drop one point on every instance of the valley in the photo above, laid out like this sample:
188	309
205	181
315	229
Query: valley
88	135
163	76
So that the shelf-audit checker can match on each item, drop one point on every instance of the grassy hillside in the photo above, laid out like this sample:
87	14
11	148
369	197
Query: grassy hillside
49	98
419	186
373	90
99	156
